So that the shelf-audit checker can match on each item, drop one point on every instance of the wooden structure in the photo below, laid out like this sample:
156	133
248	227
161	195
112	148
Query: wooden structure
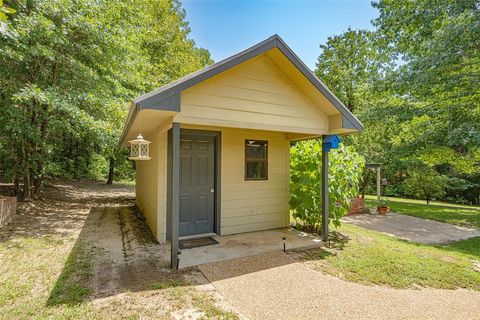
220	143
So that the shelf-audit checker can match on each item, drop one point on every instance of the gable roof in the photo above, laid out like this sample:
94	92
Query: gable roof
167	97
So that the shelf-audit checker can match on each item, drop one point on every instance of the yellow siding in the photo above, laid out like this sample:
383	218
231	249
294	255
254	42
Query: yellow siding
265	98
252	205
146	185
151	184
162	187
253	95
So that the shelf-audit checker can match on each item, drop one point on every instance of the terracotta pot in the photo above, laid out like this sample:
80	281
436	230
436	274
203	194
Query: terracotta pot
382	210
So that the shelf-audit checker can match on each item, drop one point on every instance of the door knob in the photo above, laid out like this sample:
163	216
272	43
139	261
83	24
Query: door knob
212	190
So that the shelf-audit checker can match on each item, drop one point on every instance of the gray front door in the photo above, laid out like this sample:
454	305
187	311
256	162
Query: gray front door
197	184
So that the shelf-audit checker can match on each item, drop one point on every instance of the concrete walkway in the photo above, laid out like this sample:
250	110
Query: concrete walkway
248	244
412	228
272	286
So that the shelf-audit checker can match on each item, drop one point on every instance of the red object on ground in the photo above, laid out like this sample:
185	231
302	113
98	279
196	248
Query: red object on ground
8	207
357	206
383	210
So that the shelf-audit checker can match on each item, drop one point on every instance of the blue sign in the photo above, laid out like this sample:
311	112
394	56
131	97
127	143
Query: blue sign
330	142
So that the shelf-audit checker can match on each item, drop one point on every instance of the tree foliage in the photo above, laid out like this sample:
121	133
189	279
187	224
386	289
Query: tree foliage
351	64
421	106
425	184
67	75
4	12
345	170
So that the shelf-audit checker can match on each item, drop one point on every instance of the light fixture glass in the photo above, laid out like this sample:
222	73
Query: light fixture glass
139	149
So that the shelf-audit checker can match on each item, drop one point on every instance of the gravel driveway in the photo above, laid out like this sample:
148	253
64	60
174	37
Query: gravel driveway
273	286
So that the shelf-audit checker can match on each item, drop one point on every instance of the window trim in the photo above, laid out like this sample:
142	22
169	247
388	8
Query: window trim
265	161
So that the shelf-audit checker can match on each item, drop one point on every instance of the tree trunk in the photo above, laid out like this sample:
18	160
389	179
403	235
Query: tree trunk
16	186
428	199
26	187
37	182
364	185
111	171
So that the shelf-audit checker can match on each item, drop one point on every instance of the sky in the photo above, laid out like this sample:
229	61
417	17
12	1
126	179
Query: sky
225	27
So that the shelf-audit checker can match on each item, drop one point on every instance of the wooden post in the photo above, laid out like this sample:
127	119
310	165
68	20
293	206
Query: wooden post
175	195
324	195
379	178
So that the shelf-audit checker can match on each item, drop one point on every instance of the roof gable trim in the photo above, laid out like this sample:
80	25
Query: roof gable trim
168	97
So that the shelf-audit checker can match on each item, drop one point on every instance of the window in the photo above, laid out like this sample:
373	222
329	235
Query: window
256	160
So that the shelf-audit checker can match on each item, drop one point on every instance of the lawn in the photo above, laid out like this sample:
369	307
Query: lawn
366	256
440	211
51	278
56	262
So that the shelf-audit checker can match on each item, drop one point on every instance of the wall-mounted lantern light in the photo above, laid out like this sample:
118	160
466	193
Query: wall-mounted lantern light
139	149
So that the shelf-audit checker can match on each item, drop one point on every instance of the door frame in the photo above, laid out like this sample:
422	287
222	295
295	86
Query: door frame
217	135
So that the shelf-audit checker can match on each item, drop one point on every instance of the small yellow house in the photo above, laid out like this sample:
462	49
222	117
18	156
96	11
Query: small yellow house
220	143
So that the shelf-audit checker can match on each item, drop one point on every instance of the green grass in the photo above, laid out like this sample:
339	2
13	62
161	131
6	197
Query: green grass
50	278
70	286
126	182
207	305
171	283
37	275
369	257
440	211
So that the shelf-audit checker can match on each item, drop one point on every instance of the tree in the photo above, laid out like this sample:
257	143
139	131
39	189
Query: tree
425	184
351	63
4	11
67	76
305	182
421	106
438	45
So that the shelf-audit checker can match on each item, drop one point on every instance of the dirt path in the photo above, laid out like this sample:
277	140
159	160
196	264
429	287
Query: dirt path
128	263
84	252
127	257
273	286
63	209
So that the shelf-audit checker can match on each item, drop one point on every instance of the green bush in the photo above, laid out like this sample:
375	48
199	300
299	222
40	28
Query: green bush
345	168
425	183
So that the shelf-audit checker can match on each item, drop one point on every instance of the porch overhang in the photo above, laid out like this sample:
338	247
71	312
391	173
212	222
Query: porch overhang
144	121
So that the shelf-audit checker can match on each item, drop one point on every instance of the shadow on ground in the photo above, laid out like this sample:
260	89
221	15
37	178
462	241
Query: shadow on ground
336	242
114	253
61	210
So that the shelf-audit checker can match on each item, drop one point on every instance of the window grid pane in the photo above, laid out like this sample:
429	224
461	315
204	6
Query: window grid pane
256	160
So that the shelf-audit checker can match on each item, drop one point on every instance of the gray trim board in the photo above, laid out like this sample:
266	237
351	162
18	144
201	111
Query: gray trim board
175	194
169	183
324	193
346	123
170	102
168	96
128	123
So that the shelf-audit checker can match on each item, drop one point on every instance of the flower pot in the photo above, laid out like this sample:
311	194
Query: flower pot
382	210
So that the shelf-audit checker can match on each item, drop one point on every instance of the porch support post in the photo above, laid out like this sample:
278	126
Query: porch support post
174	194
324	193
379	178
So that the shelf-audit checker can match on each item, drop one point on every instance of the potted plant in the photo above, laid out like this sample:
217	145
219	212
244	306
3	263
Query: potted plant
382	206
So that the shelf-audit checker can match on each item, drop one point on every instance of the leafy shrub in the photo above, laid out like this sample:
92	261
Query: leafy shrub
345	168
425	183
97	167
